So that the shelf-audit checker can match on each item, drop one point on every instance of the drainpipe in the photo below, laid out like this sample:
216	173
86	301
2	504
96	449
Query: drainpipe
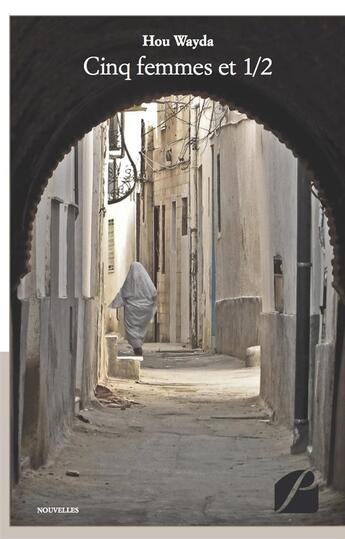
193	227
300	434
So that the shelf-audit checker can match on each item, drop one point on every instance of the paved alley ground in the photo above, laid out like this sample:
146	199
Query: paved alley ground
198	449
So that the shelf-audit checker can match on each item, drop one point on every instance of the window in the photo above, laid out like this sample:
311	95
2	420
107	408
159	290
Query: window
112	180
111	246
278	284
184	230
163	239
116	124
218	195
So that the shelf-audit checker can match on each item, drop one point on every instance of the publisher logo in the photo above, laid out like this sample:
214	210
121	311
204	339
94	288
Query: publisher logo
297	492
53	510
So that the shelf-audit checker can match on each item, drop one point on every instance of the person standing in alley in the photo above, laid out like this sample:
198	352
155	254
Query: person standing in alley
138	296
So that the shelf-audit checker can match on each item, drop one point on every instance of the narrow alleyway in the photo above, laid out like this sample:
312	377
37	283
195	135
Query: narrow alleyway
198	448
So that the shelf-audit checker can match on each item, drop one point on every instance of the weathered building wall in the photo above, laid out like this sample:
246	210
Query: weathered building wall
277	199
49	312
57	354
171	177
237	325
322	357
251	170
322	402
238	241
236	211
277	333
337	469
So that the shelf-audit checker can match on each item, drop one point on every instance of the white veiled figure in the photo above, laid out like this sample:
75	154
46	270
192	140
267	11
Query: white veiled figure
138	296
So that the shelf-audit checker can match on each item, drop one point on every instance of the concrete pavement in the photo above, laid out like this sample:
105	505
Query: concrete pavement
199	448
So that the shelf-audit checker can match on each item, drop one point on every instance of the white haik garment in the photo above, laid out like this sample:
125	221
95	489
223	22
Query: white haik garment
138	296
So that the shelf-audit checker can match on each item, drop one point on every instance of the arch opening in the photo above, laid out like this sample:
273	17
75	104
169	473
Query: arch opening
230	303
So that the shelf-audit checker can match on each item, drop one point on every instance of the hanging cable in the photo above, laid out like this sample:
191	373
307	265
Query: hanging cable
161	165
169	117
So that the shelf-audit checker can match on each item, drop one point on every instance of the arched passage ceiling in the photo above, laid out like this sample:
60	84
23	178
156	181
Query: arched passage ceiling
54	102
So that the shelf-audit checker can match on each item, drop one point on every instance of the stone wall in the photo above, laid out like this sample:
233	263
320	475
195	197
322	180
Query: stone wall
322	399
337	475
60	303
277	382
237	325
48	407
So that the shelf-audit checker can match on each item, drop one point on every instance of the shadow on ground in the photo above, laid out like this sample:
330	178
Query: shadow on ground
198	448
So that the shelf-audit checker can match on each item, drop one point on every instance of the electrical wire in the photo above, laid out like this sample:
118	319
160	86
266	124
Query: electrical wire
209	131
167	119
187	140
161	165
186	121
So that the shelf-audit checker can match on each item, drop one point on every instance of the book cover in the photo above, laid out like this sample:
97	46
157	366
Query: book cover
177	271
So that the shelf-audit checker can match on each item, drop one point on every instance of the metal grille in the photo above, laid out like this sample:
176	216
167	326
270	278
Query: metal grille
111	246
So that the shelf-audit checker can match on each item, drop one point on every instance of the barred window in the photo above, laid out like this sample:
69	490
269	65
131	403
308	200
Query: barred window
184	216
115	139
111	246
112	180
278	283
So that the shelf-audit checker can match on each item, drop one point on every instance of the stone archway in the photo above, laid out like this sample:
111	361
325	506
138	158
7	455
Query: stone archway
54	103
